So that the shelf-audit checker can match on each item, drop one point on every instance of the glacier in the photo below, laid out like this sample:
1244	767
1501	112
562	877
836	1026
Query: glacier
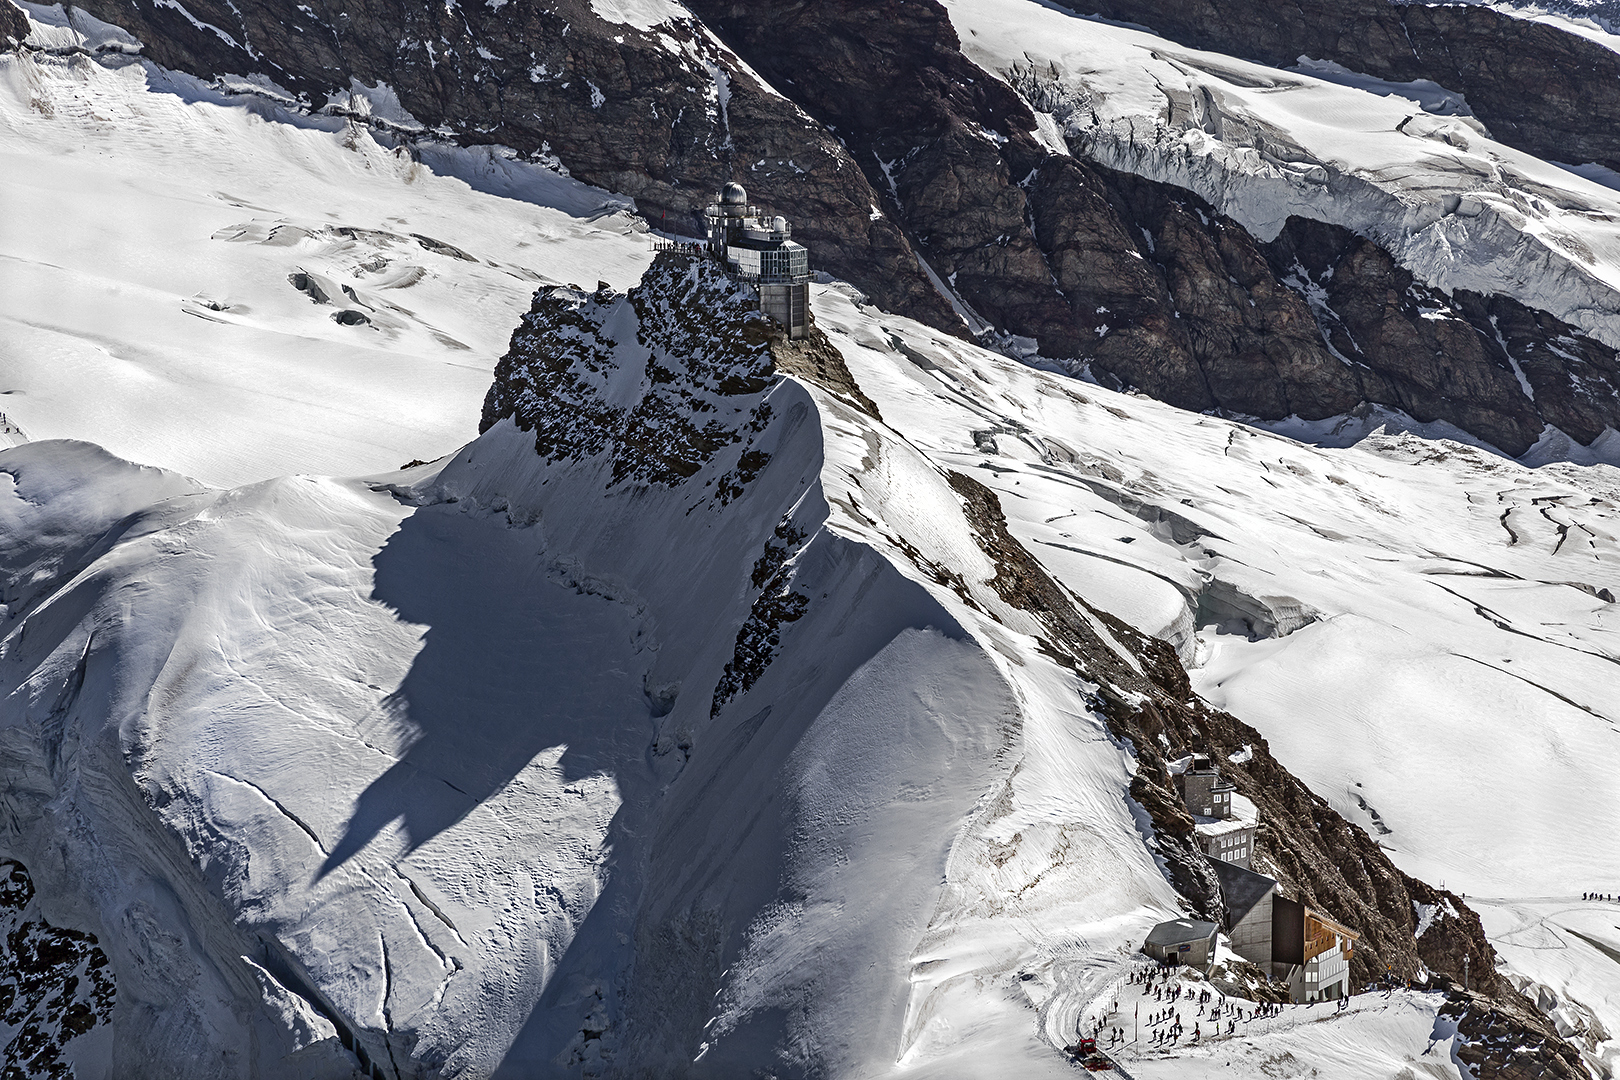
1413	172
426	772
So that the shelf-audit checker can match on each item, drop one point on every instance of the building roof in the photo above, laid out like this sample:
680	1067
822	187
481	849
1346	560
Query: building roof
754	243
1245	815
1331	924
1242	889
1194	763
1180	931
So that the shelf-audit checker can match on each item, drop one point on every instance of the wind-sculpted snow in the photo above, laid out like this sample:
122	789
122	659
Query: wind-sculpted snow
207	277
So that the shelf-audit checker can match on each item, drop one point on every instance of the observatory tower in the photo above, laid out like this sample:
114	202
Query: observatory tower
758	250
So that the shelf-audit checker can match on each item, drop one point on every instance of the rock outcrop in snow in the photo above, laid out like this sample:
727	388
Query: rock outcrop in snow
56	991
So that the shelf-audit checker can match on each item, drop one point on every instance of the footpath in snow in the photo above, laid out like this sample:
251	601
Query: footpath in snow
1171	1023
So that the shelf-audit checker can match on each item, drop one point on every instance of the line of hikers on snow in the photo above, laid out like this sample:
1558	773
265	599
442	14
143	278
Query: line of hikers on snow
1609	897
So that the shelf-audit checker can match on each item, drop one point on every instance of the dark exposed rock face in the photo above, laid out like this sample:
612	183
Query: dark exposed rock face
1450	357
55	983
13	25
1312	324
700	362
1550	93
777	604
1315	854
1504	1039
924	123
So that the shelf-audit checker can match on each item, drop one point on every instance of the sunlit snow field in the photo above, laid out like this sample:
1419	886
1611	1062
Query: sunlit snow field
152	226
1438	673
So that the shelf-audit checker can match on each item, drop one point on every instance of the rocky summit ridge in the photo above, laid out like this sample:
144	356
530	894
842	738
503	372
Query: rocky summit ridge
569	358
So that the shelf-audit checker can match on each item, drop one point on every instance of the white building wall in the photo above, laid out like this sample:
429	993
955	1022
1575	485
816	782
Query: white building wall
1321	978
1251	937
1230	845
746	260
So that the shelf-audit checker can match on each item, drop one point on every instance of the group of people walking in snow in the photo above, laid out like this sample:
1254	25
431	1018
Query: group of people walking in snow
1597	896
1168	1026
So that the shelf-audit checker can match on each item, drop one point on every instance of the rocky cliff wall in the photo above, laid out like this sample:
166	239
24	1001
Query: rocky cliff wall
1142	283
1537	87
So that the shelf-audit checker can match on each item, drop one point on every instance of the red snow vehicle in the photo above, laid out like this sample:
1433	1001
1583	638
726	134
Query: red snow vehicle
1094	1060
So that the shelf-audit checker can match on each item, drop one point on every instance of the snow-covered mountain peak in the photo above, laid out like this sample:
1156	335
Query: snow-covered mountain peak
754	669
730	703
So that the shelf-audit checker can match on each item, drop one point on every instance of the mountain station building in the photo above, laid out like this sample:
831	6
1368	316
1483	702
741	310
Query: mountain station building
1225	822
1182	941
1286	939
759	250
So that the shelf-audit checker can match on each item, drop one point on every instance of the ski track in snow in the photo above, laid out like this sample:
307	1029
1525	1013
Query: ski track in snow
322	620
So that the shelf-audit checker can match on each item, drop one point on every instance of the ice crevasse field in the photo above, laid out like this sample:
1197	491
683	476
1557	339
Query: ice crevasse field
261	302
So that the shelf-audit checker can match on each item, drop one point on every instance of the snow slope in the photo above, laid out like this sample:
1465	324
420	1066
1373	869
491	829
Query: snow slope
433	764
1412	624
433	753
1260	144
153	225
492	685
